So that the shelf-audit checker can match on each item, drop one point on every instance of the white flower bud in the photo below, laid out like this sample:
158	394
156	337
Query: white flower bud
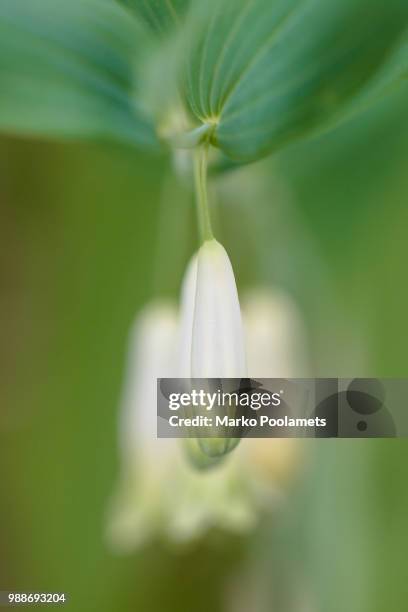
218	349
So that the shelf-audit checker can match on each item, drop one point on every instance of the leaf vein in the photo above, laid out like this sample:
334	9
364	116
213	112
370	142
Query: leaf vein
280	26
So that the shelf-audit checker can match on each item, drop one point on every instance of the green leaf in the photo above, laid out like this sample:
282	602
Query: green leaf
159	15
265	72
395	72
392	78
66	70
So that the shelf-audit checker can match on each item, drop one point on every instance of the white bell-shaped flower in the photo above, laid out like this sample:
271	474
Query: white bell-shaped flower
146	463
161	491
218	348
185	334
276	348
275	337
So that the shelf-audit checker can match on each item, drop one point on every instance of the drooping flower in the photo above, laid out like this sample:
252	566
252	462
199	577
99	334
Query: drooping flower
218	345
160	489
140	494
217	340
183	360
276	348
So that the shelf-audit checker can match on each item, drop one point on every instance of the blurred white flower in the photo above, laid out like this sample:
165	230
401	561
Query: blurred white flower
275	335
144	468
276	348
172	487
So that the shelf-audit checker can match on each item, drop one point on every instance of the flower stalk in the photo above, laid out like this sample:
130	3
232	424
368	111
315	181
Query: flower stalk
200	179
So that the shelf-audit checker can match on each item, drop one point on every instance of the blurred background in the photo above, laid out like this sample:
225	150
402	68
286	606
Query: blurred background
82	251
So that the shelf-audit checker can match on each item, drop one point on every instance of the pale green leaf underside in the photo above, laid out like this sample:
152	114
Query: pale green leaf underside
268	71
159	15
66	70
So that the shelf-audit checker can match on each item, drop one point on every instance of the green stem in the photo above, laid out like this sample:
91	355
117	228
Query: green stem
200	176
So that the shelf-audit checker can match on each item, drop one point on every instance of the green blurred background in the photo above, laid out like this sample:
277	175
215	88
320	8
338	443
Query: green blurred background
80	255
